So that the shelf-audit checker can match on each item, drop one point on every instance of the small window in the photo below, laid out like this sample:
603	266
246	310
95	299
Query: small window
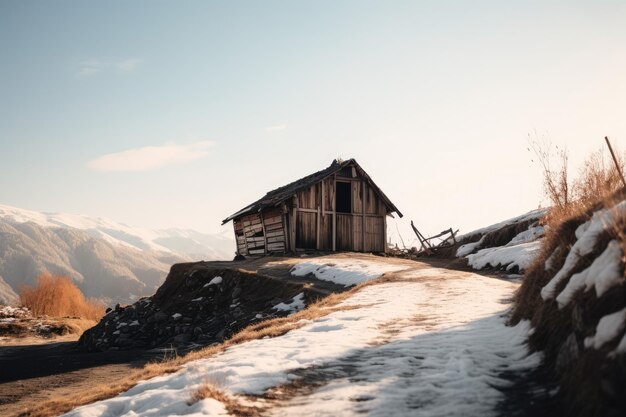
343	197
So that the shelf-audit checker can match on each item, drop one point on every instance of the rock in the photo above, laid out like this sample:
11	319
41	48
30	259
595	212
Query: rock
171	317
182	338
219	335
236	292
159	317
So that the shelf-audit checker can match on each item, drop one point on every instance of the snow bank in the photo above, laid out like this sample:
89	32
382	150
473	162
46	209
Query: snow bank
438	346
345	271
519	252
520	256
603	274
531	215
586	235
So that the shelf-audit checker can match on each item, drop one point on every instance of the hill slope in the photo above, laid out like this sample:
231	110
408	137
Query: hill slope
108	260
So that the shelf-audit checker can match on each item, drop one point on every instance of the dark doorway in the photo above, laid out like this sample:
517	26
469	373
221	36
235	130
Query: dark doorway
343	197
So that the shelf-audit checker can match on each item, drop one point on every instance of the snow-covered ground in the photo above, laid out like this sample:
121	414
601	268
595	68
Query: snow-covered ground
519	252
433	342
531	215
344	271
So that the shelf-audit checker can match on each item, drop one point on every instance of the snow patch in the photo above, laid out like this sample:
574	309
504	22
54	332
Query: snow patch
603	274
344	271
297	303
533	233
587	235
468	248
214	281
521	256
609	327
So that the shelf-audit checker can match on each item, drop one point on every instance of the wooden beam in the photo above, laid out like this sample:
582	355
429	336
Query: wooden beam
334	203
264	233
385	234
317	228
294	223
362	215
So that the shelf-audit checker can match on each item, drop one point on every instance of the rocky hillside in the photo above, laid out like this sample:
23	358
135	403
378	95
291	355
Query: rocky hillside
199	304
107	260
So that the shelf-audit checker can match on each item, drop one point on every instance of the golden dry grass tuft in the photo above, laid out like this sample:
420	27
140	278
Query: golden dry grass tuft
57	296
232	404
208	390
597	184
269	328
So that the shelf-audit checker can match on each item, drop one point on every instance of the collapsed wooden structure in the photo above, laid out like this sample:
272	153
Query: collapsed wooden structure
339	208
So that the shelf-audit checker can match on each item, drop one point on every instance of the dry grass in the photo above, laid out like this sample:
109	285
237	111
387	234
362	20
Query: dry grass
269	328
596	184
59	297
232	404
208	390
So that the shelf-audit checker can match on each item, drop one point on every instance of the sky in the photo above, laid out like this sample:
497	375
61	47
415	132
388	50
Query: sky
177	114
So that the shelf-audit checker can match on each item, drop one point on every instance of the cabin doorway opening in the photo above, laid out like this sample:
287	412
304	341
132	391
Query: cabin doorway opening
343	197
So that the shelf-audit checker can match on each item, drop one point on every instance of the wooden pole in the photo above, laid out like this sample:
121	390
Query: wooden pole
619	170
362	216
334	203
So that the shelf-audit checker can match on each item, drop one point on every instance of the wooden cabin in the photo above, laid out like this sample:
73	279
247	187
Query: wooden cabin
337	209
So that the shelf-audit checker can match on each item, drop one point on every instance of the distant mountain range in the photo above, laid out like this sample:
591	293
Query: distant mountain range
108	260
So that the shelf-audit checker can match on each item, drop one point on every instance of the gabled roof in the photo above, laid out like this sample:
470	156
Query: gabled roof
276	197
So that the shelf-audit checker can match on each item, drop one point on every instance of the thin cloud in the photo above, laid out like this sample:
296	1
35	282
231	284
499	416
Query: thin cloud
276	128
150	157
93	66
127	65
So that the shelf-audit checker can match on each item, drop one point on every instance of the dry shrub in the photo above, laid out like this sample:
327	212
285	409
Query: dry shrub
596	184
57	296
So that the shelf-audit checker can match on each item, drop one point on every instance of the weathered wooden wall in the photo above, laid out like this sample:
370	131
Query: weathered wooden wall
260	233
310	221
318	224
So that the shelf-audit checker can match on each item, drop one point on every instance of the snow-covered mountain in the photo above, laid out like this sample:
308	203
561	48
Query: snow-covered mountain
108	260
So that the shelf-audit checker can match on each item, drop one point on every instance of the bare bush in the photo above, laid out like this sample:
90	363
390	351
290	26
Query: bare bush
597	181
57	296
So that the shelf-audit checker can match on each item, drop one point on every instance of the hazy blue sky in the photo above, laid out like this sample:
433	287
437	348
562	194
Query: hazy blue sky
176	114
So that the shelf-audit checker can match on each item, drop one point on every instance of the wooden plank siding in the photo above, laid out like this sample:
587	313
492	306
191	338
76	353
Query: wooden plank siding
309	220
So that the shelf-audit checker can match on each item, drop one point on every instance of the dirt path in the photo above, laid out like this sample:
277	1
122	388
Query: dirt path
33	373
